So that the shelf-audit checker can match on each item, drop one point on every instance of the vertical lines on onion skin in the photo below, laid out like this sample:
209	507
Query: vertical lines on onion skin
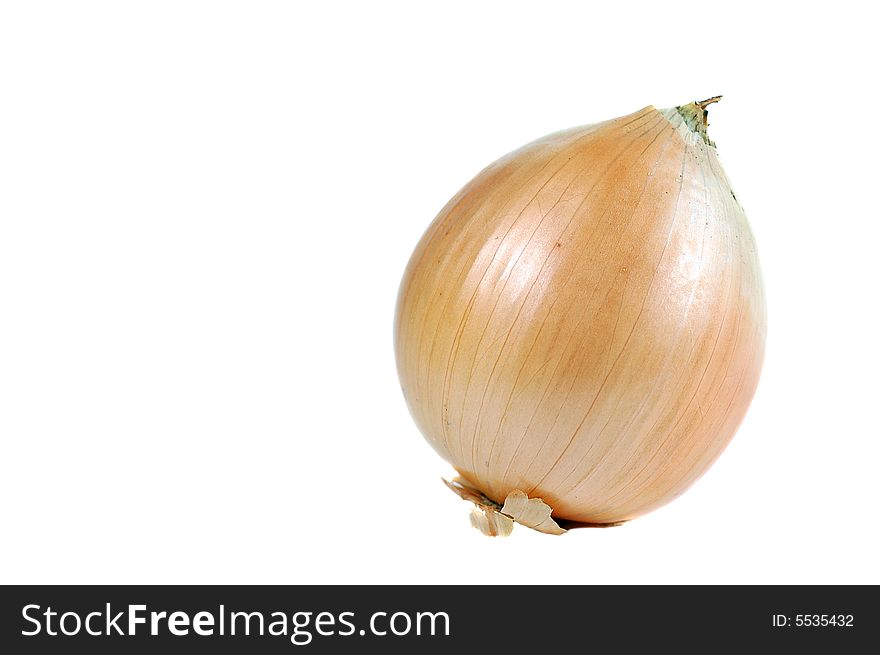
432	241
436	296
752	342
748	340
551	248
453	363
579	467
609	369
442	322
665	131
655	450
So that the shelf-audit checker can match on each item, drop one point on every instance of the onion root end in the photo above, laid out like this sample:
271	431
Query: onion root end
496	520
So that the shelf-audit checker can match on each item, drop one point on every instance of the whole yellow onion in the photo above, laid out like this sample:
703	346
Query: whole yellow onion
585	321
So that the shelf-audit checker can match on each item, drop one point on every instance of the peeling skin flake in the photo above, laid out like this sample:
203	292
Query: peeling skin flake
495	520
491	523
531	512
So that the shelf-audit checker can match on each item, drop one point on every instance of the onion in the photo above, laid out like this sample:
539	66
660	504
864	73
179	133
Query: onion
584	322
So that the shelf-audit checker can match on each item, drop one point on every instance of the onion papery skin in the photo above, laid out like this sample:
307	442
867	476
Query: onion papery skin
585	320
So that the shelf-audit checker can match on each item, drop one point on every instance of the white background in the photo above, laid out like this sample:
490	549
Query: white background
205	211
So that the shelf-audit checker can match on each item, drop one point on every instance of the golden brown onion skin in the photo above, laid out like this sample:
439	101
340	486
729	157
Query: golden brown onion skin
585	320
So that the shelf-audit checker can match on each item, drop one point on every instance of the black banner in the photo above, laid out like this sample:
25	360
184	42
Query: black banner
333	619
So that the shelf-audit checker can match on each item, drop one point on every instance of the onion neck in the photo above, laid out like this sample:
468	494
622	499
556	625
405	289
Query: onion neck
696	117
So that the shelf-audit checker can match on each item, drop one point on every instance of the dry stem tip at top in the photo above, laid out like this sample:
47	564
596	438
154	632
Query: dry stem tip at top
702	104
